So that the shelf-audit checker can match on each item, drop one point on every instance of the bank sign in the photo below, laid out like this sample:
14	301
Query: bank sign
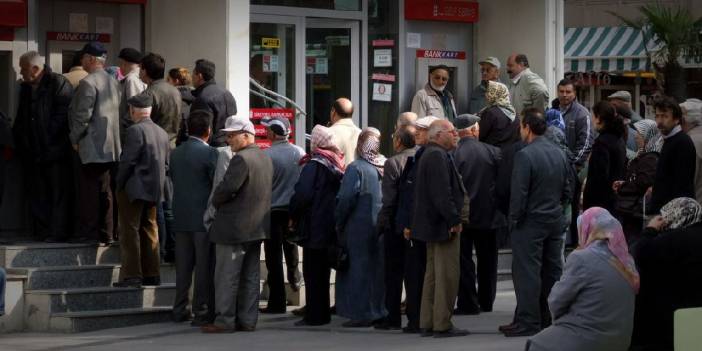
73	36
441	54
442	10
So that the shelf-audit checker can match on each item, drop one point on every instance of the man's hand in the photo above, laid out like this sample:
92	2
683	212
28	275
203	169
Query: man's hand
649	191
291	226
617	185
656	223
406	233
75	147
456	229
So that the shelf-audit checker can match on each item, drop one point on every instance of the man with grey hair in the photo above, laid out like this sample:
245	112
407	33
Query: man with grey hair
489	71
437	220
406	120
692	125
93	119
43	148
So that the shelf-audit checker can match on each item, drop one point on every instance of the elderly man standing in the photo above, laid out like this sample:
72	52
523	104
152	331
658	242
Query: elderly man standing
526	88
343	127
477	162
140	183
242	222
93	119
438	214
539	188
131	85
692	125
489	71
42	144
286	171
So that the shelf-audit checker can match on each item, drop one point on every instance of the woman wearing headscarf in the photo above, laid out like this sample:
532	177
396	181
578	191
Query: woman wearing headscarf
668	257
608	158
312	220
499	125
640	175
360	289
592	305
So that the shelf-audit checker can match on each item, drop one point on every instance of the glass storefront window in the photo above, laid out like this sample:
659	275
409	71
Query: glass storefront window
272	63
339	5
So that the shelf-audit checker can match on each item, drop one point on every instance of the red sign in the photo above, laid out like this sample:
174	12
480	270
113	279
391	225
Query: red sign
257	114
72	36
385	77
442	10
13	13
383	42
457	55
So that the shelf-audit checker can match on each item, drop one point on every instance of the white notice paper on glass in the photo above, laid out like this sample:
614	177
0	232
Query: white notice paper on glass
382	92
321	65
382	58
414	40
104	25
78	22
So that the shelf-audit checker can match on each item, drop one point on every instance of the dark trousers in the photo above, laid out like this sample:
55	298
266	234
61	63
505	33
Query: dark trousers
50	189
415	268
195	253
166	234
394	275
274	248
471	300
95	202
575	211
316	271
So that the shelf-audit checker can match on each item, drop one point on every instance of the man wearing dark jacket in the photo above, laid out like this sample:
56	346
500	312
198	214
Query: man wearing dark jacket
212	98
438	214
675	172
477	163
242	222
539	188
140	186
42	144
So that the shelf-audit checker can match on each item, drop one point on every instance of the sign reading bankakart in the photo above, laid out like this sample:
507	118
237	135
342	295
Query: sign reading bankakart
442	54
73	36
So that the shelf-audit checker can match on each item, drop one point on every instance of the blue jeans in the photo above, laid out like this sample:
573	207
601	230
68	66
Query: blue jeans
2	291
166	235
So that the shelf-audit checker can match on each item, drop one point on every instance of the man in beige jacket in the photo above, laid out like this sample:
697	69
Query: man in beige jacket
343	127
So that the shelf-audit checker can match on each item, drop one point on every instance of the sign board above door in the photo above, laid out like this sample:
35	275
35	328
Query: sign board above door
71	36
442	10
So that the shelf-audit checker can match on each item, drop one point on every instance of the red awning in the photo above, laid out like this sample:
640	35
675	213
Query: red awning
13	13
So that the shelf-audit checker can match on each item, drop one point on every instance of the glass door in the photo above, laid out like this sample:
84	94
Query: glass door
332	68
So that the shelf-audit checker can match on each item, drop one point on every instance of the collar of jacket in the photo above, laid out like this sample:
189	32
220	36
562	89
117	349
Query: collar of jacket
202	87
345	122
519	76
158	82
466	139
186	93
281	141
431	92
250	146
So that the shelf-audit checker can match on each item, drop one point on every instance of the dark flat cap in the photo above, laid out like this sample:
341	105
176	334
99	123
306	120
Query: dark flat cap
130	55
465	121
94	48
141	100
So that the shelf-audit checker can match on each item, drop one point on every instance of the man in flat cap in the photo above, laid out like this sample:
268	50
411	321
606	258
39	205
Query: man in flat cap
623	98
131	85
242	222
140	184
477	162
489	71
93	119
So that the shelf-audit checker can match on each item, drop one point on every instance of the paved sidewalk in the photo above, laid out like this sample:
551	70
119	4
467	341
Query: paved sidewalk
279	333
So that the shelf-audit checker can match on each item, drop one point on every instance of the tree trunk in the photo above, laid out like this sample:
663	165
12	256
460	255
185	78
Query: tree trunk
675	81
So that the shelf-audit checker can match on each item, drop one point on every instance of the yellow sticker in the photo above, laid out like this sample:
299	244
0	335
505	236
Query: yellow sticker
270	43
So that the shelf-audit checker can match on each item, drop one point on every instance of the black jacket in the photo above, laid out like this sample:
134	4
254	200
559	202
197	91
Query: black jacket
186	97
675	172
219	102
477	163
504	176
438	196
313	203
497	129
607	164
405	191
670	268
41	126
640	174
391	186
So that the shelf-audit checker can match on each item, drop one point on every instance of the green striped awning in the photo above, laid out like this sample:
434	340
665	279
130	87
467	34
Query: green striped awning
605	49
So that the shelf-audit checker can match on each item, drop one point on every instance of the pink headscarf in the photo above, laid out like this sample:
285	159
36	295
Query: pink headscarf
597	224
324	144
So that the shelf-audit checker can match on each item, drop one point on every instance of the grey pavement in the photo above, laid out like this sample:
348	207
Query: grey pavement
279	333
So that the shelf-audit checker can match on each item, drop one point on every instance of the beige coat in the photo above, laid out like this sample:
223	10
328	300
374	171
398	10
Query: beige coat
529	91
347	136
696	136
427	103
75	75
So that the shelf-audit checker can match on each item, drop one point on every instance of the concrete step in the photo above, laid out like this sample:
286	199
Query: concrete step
75	322
41	306
51	255
63	277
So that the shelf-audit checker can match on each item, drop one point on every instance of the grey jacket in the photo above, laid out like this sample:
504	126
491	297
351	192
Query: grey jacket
529	91
477	98
579	132
130	86
166	109
224	155
390	186
93	118
540	184
243	199
592	305
144	162
286	170
427	102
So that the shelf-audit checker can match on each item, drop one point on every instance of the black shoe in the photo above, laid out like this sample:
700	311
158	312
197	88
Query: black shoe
385	325
269	310
357	324
486	309
169	257
458	312
300	312
151	281
245	328
505	327
128	283
107	242
181	317
451	333
83	240
425	333
520	331
411	330
304	323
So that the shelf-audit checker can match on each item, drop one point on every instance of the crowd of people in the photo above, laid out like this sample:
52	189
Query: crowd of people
174	174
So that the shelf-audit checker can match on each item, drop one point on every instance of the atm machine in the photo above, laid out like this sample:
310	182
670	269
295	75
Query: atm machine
458	73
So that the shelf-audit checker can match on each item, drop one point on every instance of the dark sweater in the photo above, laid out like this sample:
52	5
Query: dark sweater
675	173
607	164
497	129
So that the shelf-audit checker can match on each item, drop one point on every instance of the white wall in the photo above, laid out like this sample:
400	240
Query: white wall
183	31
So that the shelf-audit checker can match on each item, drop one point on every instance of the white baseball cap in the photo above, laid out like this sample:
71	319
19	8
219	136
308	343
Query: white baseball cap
236	124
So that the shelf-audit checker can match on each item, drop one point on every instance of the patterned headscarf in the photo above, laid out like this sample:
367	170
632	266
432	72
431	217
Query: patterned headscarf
497	94
681	213
598	224
324	144
368	148
555	118
651	135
